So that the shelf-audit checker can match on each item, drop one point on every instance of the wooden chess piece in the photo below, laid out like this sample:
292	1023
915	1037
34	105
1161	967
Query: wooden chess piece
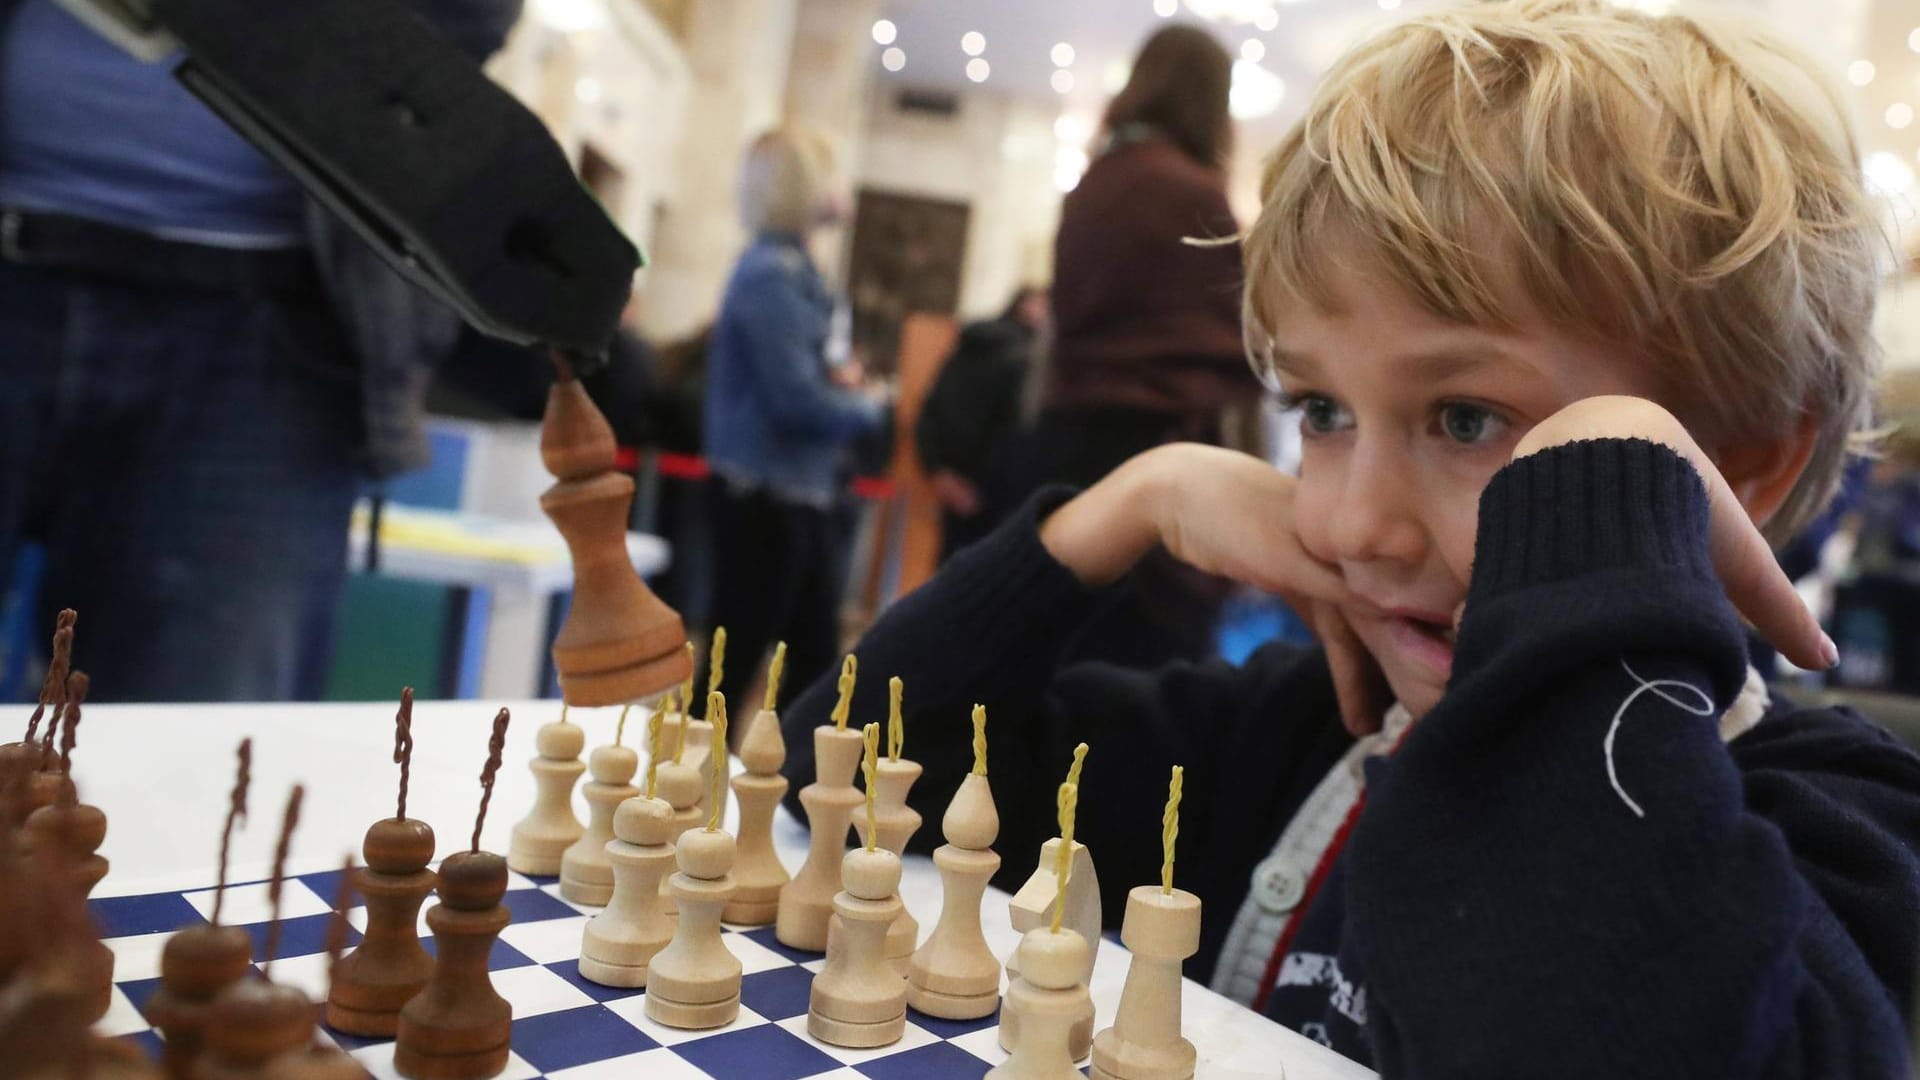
858	1000
1050	998
22	759
586	877
457	1027
694	982
897	822
77	830
49	782
955	975
251	1024
806	904
1162	929
389	967
201	961
701	753
1035	903
679	784
541	838
618	943
758	873
619	642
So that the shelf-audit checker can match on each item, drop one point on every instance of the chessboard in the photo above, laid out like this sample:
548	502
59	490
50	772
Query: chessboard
564	1027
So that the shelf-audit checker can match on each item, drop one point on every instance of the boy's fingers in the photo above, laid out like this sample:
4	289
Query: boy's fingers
1355	680
1760	590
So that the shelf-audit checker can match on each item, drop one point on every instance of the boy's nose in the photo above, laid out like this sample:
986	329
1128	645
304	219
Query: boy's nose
1376	516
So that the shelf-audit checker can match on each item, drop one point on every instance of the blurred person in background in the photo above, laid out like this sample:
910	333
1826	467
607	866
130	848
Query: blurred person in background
1146	347
199	370
779	418
973	408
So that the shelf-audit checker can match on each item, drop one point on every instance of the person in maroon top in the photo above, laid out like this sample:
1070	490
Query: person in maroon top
1147	346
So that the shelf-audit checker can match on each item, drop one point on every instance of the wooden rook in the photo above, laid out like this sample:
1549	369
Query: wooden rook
541	838
201	961
1161	929
619	642
620	942
955	975
758	873
1050	997
586	877
858	1000
457	1027
806	904
389	967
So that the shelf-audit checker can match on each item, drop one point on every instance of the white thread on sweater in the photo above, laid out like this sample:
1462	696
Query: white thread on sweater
1658	687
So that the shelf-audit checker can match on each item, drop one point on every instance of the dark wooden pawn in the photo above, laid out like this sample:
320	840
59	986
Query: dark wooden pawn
458	1027
389	967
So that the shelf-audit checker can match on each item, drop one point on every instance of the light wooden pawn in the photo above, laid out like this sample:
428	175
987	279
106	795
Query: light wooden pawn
679	784
586	877
758	873
1161	929
1050	996
541	839
693	754
858	999
694	982
1032	907
619	942
895	824
806	904
955	975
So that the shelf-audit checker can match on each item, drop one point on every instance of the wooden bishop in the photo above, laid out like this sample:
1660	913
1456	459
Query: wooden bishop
955	975
758	874
806	904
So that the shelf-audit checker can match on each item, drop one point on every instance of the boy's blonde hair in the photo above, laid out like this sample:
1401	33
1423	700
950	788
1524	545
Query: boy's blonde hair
786	180
1684	187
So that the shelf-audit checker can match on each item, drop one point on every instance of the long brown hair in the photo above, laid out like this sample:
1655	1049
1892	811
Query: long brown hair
1179	87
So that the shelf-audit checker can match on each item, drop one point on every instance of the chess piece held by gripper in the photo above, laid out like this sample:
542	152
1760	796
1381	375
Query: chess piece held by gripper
541	838
458	1027
1161	929
389	967
620	642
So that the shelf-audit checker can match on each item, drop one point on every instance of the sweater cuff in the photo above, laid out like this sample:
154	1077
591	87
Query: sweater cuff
1589	507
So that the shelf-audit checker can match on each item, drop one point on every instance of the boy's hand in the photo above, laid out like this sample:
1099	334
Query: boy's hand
1227	513
1747	569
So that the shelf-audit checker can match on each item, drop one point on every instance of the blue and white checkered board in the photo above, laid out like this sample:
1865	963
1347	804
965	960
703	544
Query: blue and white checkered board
564	1027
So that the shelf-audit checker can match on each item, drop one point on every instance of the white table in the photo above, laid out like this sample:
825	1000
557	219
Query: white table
162	773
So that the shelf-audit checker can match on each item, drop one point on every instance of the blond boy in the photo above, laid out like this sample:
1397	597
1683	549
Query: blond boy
1574	304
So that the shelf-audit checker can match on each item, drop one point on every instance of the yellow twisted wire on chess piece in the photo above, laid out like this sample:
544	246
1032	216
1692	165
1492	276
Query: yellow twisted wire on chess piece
849	673
1170	829
979	740
896	726
717	716
774	671
868	768
653	743
1068	799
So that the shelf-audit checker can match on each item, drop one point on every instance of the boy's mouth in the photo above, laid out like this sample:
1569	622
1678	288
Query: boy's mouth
1426	639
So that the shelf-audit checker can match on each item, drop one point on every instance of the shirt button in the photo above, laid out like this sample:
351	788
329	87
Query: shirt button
1277	887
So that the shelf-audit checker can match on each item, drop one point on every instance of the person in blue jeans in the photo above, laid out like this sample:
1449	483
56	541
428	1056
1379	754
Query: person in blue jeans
185	416
778	420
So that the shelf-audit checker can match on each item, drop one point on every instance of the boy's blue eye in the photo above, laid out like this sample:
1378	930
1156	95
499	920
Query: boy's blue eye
1470	424
1321	415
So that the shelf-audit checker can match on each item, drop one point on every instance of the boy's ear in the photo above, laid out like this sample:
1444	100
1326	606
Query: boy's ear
1762	473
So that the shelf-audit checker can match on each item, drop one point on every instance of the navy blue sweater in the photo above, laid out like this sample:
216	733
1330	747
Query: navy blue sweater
1501	908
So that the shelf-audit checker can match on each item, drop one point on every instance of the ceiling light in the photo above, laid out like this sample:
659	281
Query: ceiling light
893	59
1166	9
1267	20
884	32
977	70
1071	128
1069	163
1913	39
1062	81
1253	50
587	90
1389	5
571	16
1899	115
1886	175
1114	79
1860	72
973	43
1256	91
1062	55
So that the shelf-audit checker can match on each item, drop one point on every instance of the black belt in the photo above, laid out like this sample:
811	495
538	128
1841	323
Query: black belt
71	243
